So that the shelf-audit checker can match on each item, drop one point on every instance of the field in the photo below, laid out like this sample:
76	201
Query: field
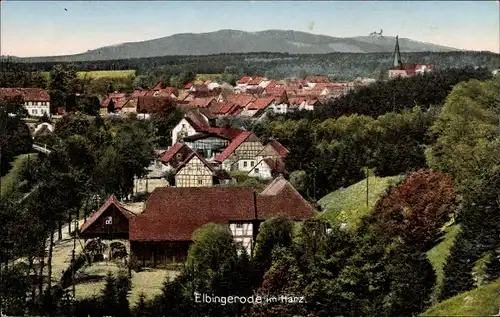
9	181
437	257
203	77
482	301
348	205
90	280
101	74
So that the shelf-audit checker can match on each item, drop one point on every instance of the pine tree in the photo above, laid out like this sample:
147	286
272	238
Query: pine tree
493	267
141	308
122	291
109	302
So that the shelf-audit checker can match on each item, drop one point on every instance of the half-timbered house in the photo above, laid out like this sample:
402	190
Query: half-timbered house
241	153
195	171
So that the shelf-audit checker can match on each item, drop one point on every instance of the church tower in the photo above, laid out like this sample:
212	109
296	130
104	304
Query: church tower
397	64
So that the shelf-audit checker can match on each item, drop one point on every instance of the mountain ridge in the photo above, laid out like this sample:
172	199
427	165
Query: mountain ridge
237	41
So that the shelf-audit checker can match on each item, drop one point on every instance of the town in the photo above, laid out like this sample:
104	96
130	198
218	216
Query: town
228	184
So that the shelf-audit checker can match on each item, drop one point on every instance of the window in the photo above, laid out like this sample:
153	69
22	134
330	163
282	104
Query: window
178	156
183	125
200	181
198	167
245	164
256	170
239	225
35	111
252	163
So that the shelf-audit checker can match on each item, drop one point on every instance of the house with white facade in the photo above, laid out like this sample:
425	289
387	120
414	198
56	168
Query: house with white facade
192	123
36	100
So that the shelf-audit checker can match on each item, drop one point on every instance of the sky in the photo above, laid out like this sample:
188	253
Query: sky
42	28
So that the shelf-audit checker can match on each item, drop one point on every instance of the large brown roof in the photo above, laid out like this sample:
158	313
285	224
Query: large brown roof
280	197
173	214
28	94
151	104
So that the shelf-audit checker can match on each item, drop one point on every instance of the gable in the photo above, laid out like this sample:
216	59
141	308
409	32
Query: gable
269	150
194	166
109	219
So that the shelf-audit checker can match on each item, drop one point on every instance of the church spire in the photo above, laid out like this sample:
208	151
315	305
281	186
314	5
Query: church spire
397	64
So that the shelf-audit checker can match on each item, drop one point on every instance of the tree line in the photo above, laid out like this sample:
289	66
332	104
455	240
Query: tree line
343	66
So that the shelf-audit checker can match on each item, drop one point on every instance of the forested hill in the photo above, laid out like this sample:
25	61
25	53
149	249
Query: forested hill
235	41
342	66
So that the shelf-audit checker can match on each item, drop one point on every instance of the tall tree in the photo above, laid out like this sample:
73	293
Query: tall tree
15	137
63	85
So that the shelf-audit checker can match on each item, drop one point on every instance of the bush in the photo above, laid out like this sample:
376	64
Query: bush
136	266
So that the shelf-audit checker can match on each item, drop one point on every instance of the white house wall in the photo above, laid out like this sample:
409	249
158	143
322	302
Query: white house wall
243	233
261	170
37	108
183	124
246	165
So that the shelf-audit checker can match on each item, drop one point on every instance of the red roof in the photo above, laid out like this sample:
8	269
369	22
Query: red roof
28	94
317	79
148	104
139	93
201	102
256	81
282	151
296	100
233	145
312	101
244	80
280	197
197	121
188	85
271	84
159	85
275	91
261	103
173	214
167	156
222	108
226	132
119	99
110	201
241	100
275	164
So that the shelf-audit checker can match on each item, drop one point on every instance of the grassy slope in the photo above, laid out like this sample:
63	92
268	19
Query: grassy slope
349	204
482	301
10	180
437	257
149	282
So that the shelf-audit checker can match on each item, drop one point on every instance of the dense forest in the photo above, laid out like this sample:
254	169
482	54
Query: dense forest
342	66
